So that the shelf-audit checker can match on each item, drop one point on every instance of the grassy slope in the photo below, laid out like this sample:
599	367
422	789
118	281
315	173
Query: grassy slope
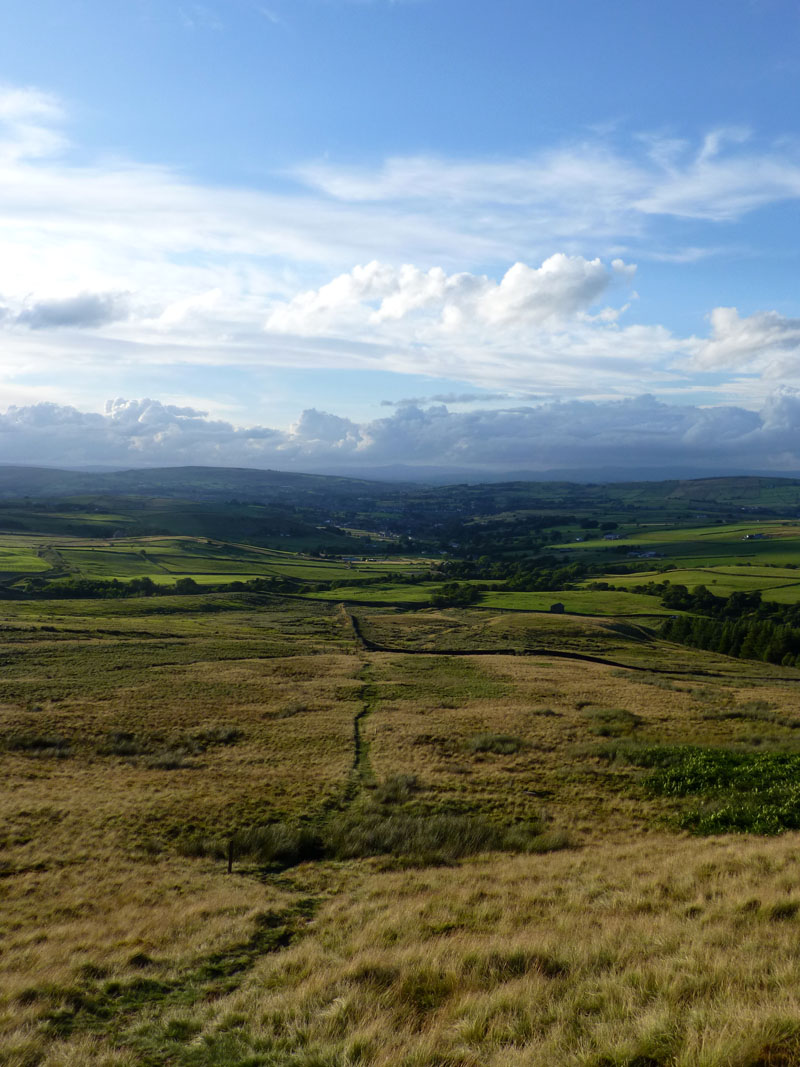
131	729
239	709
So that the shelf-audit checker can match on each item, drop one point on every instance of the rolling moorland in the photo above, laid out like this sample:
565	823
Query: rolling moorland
317	772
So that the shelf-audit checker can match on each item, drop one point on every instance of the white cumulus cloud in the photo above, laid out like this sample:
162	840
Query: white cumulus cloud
561	288
765	341
634	433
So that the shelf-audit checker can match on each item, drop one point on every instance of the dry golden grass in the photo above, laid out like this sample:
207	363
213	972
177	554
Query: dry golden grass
280	708
636	947
433	708
657	951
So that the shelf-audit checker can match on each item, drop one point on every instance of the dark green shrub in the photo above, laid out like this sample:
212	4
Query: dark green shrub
424	989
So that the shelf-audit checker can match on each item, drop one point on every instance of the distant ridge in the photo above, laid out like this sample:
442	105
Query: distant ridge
252	485
36	480
581	475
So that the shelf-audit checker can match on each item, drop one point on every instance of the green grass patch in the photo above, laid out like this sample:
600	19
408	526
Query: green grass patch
721	581
20	561
446	681
390	593
739	792
577	601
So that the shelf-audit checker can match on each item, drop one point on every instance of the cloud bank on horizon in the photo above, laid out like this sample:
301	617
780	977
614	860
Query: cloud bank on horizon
641	432
610	295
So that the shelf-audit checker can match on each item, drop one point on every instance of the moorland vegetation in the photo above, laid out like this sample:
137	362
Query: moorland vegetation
358	796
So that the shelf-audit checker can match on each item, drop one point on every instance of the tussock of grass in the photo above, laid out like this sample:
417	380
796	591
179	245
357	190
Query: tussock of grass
430	838
122	743
762	711
216	735
418	839
177	754
38	744
178	759
381	826
397	789
497	744
612	722
492	968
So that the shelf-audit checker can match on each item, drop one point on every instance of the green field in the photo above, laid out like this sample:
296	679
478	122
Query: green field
579	601
722	581
167	560
775	542
20	560
380	594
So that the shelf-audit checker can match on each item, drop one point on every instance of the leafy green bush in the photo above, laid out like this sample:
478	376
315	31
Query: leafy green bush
742	792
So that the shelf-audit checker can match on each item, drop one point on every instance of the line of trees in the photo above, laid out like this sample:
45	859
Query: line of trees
543	574
456	595
742	624
114	589
751	638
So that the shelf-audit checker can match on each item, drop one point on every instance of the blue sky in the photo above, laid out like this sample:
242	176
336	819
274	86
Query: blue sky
440	228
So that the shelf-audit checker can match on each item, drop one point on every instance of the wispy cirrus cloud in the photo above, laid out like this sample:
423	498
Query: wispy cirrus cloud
592	186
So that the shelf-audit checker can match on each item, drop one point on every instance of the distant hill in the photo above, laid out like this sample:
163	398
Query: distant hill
201	483
317	495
